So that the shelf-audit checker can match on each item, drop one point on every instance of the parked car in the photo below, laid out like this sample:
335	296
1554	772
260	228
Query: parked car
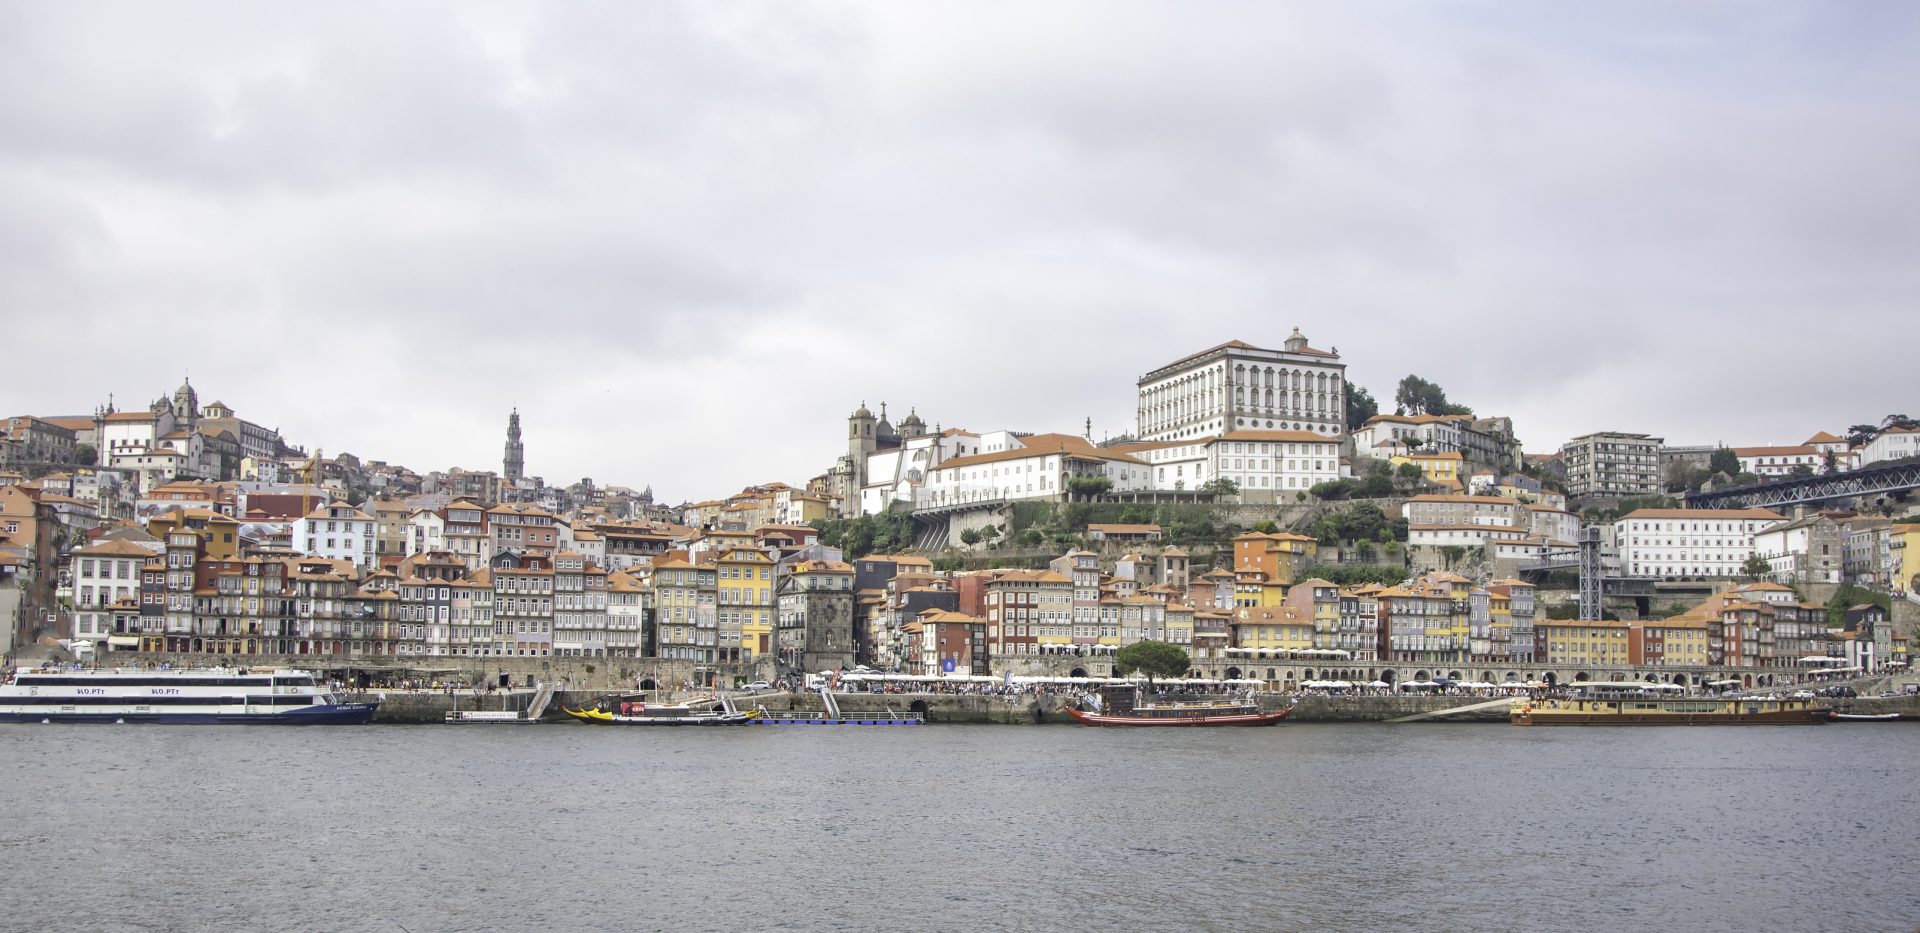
759	685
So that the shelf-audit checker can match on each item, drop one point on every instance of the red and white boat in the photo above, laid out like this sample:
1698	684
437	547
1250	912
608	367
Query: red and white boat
1118	709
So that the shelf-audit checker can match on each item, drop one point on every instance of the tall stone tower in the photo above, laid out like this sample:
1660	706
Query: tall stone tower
516	462
186	406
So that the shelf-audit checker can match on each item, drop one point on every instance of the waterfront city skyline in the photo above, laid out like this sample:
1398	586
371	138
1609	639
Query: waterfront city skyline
685	241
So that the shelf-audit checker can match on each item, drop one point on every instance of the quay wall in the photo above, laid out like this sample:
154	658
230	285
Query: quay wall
430	707
1907	706
1381	709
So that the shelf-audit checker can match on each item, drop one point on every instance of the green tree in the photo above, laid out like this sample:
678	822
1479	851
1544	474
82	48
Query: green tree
1725	461
1266	526
1409	475
1219	486
1452	554
1417	396
1755	567
1331	489
1360	406
1151	658
1377	486
990	534
1801	469
1032	538
85	454
1088	487
970	536
1353	574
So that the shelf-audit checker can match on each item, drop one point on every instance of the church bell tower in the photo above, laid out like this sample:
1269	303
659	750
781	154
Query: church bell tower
516	461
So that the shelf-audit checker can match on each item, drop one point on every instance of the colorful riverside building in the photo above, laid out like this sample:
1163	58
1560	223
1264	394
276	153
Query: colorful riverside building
815	616
1582	643
685	615
1271	628
1276	557
1675	642
1025	606
1511	627
939	641
744	581
1426	621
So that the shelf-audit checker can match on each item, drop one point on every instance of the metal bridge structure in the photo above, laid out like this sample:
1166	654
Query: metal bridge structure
1877	480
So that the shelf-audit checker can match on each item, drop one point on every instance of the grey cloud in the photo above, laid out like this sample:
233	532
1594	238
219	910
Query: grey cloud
687	238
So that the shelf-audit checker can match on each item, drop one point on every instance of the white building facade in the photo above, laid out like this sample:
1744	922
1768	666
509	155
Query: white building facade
1891	444
1711	543
1043	468
1256	461
337	531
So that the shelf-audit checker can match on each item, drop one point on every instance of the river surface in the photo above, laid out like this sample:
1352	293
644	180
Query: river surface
1299	827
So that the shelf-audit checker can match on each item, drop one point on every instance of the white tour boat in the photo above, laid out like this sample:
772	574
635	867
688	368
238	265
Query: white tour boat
204	695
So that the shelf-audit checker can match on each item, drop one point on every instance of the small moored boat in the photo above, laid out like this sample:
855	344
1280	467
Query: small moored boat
1838	716
832	715
634	710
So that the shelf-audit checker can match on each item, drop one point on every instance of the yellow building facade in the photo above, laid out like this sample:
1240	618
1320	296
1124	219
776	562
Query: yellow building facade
743	579
1278	628
1441	469
1575	643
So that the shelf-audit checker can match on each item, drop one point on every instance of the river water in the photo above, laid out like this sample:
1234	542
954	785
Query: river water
1299	827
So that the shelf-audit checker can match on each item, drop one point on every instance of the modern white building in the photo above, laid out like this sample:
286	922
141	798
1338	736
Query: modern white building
1236	385
1689	542
337	531
1891	444
1613	463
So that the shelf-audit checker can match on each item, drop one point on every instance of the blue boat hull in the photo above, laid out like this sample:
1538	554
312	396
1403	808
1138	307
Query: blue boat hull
776	719
343	714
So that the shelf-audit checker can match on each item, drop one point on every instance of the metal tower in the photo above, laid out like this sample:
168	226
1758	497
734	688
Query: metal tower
1590	573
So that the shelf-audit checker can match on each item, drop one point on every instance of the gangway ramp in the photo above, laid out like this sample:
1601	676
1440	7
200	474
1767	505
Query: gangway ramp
541	697
1456	710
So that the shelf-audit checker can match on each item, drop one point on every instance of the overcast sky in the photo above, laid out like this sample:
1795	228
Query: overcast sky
687	240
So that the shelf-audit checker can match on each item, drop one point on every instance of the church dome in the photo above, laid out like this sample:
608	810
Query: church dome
862	412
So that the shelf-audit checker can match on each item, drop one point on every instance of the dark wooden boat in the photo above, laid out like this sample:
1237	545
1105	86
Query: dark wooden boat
1117	707
1184	714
